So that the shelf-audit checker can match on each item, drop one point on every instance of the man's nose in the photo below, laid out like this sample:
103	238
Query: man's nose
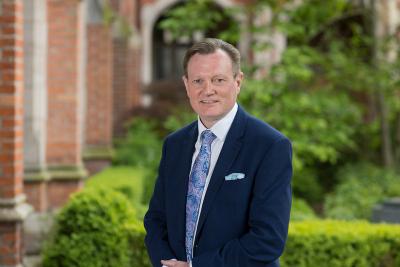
208	88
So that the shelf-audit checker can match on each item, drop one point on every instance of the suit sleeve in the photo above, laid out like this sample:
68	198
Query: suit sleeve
155	223
268	216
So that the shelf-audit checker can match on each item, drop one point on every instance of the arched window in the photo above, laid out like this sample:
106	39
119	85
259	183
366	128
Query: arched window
168	53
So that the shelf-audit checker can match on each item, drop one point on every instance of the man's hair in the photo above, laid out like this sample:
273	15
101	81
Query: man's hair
209	46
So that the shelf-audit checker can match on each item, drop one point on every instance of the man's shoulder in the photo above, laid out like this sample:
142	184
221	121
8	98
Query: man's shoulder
258	129
183	133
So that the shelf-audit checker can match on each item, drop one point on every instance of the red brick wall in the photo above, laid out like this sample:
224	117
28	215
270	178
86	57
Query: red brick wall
11	124
114	4
36	195
59	191
144	2
63	129
126	82
11	246
119	83
11	98
126	9
99	86
126	66
64	144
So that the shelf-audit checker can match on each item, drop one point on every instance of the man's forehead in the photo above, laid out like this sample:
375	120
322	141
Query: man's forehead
216	58
217	52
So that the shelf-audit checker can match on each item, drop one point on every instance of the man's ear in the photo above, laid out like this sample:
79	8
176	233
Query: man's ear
185	81
238	79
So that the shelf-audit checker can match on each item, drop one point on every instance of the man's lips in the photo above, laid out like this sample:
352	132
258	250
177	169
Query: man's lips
208	101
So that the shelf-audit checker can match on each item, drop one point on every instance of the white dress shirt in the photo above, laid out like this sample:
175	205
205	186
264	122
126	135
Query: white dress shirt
220	129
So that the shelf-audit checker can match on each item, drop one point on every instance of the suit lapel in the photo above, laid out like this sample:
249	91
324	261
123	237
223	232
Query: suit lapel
229	152
184	162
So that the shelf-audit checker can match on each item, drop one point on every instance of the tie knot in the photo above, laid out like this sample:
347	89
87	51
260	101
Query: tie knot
207	137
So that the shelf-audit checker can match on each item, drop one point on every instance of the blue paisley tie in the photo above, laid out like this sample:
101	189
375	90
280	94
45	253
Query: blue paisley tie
197	181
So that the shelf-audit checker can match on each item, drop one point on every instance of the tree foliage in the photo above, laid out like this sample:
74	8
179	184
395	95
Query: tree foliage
360	187
322	94
199	16
333	93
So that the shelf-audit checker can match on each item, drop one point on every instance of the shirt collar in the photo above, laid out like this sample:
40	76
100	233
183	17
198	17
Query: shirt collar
221	127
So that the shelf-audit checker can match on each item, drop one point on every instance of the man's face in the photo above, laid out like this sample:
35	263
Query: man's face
211	86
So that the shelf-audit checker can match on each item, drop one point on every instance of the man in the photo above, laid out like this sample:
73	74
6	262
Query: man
223	195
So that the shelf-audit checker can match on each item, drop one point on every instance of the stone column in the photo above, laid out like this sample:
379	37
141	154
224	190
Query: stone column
98	129
387	21
35	48
65	113
13	209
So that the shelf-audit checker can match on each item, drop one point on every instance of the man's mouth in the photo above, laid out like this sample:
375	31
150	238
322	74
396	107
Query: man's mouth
208	101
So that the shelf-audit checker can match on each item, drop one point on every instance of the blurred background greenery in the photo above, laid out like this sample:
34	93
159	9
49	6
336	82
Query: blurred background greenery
333	94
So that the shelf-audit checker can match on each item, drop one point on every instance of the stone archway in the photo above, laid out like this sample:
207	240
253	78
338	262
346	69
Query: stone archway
149	15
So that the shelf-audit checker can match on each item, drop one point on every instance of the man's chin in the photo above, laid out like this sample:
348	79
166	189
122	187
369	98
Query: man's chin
211	117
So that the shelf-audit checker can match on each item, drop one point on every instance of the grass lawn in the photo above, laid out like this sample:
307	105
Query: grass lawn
128	180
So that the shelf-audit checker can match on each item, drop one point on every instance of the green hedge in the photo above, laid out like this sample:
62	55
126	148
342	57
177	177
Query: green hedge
99	228
328	243
331	243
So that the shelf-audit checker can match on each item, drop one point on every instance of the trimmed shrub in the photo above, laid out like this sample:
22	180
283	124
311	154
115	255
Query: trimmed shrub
360	188
127	180
94	229
342	244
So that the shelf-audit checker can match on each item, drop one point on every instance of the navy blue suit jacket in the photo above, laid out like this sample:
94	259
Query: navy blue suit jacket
244	222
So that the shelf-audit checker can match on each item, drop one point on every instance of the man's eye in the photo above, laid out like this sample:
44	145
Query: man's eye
219	80
197	81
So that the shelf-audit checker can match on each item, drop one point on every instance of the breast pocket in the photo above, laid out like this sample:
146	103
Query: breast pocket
235	192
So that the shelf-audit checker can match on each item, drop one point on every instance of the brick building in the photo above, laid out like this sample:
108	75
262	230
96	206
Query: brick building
70	73
68	78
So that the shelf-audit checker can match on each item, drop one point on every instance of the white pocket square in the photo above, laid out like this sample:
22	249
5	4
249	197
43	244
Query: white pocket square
234	176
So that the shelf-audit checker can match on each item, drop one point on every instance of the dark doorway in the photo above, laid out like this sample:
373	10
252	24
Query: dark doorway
167	91
168	54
